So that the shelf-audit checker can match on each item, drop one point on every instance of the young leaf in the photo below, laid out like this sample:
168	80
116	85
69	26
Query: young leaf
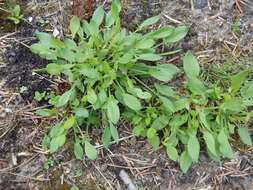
74	25
78	151
131	101
113	112
98	15
91	96
196	86
233	105
70	122
63	100
114	132
168	104
162	32
149	57
193	148
145	44
166	90
178	34
172	152
191	65
57	142
238	79
106	137
164	72
225	147
149	21
53	69
185	161
90	151
155	142
244	136
210	142
247	91
151	133
160	122
46	112
82	112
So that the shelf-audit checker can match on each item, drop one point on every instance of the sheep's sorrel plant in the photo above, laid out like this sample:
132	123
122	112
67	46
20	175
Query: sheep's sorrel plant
106	67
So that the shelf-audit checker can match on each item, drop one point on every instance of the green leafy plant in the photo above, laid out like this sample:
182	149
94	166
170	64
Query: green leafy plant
202	113
15	14
107	67
39	96
103	64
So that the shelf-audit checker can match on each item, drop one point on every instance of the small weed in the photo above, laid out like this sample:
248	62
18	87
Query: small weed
106	67
39	96
48	163
15	14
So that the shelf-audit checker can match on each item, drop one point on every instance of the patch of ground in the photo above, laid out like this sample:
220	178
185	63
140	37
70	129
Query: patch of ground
213	36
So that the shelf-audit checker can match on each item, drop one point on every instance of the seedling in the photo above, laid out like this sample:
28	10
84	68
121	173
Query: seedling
15	14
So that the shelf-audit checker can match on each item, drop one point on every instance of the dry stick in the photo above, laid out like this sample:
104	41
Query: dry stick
113	142
172	19
103	176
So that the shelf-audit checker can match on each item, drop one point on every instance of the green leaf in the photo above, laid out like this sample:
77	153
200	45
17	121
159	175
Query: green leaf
114	132
112	108
149	57
193	148
166	90
109	19
82	112
145	44
155	142
164	72
74	25
138	130
225	147
39	96
162	32
247	91
70	122
233	105
74	188
78	151
90	151
151	133
196	86
244	136
56	130
43	51
57	142
238	79
46	112
63	100
54	69
178	34
115	9
131	101
191	65
160	122
210	142
185	161
168	104
178	120
91	96
106	137
149	21
98	15
172	152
